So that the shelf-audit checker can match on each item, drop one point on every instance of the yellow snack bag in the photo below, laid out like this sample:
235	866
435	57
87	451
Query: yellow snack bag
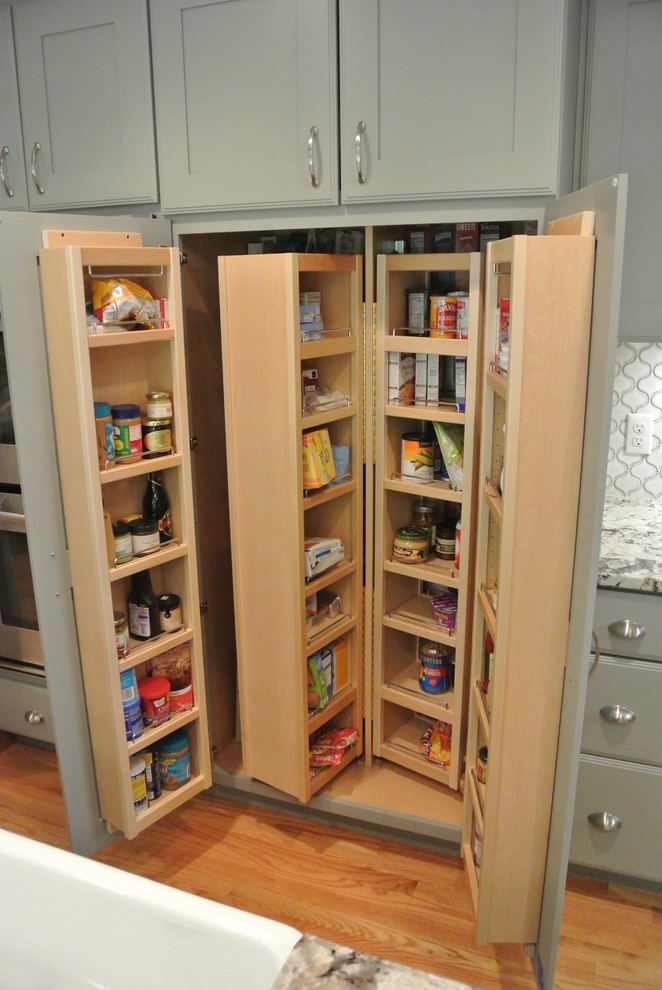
318	466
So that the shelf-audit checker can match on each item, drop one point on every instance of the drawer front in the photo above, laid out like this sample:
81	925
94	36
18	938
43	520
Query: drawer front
622	715
25	707
631	793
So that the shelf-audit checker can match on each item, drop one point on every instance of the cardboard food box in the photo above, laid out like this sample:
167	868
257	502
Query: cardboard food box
401	378
320	553
318	465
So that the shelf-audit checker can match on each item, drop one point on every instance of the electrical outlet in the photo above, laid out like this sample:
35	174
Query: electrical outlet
638	433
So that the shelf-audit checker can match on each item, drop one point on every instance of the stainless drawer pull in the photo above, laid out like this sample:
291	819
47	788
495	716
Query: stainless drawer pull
358	141
3	157
312	137
33	718
617	714
33	168
626	629
604	821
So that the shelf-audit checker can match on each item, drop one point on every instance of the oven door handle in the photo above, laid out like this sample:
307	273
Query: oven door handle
12	522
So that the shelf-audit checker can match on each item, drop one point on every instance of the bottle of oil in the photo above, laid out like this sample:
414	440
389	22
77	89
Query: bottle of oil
156	505
143	607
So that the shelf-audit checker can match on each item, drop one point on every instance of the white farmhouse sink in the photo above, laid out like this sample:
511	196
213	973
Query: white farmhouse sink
68	923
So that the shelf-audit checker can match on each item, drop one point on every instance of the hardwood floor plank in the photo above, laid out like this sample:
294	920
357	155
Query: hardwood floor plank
376	895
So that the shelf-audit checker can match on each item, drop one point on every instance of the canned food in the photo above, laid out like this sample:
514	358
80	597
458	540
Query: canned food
481	765
443	316
462	314
417	456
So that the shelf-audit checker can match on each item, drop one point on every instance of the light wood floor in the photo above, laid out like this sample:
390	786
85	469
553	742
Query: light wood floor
381	897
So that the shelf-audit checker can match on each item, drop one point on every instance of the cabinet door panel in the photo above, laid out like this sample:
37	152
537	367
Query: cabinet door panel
13	191
238	88
84	77
458	99
623	134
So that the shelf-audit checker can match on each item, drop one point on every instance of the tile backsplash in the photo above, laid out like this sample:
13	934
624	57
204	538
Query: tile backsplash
637	388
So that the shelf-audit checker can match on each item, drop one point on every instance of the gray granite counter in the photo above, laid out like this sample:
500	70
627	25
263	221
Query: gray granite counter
315	964
631	546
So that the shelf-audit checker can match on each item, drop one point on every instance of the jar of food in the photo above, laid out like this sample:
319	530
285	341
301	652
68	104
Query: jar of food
158	405
121	634
144	535
157	437
411	545
103	422
127	432
170	612
175	760
424	516
444	547
122	540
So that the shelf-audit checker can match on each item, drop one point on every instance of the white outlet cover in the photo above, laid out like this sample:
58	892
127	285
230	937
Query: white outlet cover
638	433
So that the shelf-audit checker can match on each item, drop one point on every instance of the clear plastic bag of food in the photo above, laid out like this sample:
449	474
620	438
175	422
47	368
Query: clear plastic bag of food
451	441
118	300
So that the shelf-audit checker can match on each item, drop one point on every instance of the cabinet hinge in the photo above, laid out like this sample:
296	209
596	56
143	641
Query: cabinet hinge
183	258
203	607
213	752
193	442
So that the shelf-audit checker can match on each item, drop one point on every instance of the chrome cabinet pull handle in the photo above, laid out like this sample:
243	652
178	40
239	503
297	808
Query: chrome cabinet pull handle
603	821
360	130
596	659
3	158
36	148
617	714
314	178
34	718
626	629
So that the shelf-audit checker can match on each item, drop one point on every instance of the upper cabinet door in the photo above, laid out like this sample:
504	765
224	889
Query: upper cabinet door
624	134
86	103
13	192
454	99
245	96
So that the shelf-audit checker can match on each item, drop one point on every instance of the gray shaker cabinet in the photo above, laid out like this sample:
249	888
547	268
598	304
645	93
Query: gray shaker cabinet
13	192
456	99
86	102
245	95
623	133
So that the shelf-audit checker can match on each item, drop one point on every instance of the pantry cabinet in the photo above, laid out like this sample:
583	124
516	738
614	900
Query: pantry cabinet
287	615
13	190
87	366
456	100
622	133
86	102
245	103
538	320
409	705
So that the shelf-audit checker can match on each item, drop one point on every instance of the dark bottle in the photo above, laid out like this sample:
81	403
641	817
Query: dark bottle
156	504
143	607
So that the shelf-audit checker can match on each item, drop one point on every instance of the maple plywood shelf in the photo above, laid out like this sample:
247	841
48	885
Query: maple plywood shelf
122	366
328	347
403	611
328	494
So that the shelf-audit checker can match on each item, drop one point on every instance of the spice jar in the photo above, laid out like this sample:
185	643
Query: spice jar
481	765
445	543
127	432
411	545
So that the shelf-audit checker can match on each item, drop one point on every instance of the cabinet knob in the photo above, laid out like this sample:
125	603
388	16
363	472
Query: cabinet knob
5	185
626	629
312	141
33	718
617	714
360	130
36	148
603	821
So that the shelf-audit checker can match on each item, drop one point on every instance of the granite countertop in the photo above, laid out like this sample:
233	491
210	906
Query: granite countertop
631	546
315	964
